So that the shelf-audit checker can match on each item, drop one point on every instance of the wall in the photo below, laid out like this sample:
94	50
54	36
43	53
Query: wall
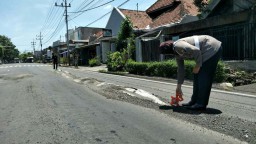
105	49
114	22
84	33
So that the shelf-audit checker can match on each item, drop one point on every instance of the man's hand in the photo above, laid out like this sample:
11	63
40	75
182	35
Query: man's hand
196	69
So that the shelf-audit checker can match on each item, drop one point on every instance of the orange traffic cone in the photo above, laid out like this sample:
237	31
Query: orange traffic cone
175	100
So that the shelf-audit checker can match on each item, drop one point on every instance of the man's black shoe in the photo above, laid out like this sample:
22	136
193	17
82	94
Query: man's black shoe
188	104
197	107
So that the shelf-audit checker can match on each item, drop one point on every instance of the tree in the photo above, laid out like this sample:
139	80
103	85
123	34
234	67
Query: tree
126	31
202	6
125	45
24	56
7	49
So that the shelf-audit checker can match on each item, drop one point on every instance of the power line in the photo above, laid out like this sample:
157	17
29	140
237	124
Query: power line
107	13
93	7
82	7
99	18
53	24
52	21
81	12
55	31
50	17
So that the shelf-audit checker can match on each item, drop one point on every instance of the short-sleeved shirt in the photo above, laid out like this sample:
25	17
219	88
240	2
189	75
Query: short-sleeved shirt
186	48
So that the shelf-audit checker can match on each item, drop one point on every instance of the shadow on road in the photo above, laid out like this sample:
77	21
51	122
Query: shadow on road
184	110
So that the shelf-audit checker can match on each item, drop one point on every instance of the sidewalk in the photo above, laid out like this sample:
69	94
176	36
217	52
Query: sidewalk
250	89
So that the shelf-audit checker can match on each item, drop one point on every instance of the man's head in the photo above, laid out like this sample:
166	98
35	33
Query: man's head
167	47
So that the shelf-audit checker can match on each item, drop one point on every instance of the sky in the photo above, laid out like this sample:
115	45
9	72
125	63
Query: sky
23	20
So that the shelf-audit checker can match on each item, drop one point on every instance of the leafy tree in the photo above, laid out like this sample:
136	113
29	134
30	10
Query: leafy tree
126	31
202	6
7	49
24	56
125	45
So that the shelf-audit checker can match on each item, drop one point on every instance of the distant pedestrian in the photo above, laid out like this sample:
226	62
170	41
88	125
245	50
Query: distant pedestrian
76	60
206	51
55	61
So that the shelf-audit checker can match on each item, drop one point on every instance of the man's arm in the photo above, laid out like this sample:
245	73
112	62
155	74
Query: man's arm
190	50
180	73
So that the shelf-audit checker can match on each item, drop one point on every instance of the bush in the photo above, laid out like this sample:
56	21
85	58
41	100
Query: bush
115	62
64	60
94	62
189	65
169	69
220	74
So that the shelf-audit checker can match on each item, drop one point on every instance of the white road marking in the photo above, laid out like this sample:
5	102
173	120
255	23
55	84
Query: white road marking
19	66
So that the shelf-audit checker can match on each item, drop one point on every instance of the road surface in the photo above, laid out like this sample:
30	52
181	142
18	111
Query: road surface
40	105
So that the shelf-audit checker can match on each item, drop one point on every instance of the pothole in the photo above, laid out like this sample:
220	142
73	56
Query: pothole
16	77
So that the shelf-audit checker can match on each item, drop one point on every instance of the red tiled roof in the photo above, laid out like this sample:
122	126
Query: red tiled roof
159	4
140	19
175	15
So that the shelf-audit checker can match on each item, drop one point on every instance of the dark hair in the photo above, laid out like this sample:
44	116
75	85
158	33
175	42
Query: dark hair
167	48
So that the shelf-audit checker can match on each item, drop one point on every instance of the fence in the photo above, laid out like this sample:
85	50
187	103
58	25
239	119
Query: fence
150	50
238	41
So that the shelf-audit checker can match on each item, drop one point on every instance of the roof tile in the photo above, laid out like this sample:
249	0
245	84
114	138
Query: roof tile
175	15
159	4
140	19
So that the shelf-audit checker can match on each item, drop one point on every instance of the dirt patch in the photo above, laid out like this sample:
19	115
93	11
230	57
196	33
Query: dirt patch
16	77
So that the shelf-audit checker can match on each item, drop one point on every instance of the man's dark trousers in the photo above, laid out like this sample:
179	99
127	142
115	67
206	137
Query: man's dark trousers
55	65
202	83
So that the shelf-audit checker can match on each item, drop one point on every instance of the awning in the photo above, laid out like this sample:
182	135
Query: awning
90	45
66	52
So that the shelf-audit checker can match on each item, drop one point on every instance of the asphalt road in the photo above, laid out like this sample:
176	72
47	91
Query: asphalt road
237	104
40	105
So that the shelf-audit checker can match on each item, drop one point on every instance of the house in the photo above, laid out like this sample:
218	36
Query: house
86	44
140	21
232	22
164	13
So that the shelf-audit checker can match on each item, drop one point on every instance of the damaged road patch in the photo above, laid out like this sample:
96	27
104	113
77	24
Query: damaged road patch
15	77
212	118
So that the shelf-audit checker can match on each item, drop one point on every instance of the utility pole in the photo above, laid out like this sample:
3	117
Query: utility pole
137	8
66	18
40	38
33	43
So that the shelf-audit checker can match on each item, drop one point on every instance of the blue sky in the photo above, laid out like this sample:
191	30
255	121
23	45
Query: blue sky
22	20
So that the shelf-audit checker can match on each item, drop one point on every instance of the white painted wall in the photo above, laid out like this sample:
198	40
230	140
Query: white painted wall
114	21
105	49
138	50
98	53
113	47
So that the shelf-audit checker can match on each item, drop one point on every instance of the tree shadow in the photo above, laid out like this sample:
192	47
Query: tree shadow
180	109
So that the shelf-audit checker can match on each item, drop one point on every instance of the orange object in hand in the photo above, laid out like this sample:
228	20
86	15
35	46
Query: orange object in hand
175	100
